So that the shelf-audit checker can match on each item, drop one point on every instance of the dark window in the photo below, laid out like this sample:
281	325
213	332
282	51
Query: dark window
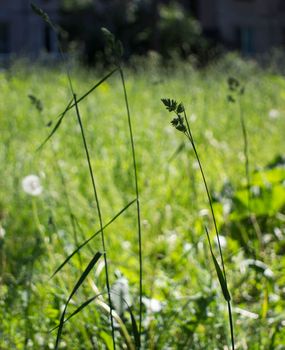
245	38
4	38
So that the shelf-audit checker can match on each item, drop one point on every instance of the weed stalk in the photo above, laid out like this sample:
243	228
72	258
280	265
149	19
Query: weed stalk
99	215
178	123
191	139
137	198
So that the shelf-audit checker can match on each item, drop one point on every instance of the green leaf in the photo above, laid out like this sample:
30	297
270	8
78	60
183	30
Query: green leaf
87	302
75	288
107	339
71	105
81	307
220	274
135	329
90	238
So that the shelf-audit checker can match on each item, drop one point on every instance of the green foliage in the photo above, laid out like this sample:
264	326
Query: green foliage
178	268
179	32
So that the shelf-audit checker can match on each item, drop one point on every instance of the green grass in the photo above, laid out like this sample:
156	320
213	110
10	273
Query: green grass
178	267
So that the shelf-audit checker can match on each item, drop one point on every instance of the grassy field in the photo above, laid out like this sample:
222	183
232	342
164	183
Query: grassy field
183	305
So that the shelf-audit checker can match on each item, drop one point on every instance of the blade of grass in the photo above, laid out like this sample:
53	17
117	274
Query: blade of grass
219	271
93	236
178	123
89	301
71	105
98	211
137	198
41	13
57	125
76	287
223	271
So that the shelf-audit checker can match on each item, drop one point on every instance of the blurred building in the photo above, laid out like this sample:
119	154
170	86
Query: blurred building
22	31
253	26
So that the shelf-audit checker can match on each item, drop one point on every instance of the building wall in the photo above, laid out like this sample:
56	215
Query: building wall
254	26
23	31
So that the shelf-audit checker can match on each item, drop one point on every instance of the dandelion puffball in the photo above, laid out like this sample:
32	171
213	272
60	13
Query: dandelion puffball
31	184
2	232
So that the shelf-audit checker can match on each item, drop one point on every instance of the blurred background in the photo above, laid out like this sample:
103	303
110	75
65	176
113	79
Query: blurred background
198	28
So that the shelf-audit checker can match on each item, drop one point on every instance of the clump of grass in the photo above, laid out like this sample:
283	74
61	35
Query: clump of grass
46	18
181	123
115	51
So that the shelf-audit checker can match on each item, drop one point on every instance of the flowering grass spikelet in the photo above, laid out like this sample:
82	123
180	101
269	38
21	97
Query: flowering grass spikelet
31	184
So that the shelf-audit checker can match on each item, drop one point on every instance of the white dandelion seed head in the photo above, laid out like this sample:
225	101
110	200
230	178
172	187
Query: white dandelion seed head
2	232
187	247
152	305
204	212
31	184
120	295
273	114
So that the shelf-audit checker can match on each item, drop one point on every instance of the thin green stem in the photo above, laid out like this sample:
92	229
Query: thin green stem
246	155
99	214
191	139
231	325
92	177
137	199
251	215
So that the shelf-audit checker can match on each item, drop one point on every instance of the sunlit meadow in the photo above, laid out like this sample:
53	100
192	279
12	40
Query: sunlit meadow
47	207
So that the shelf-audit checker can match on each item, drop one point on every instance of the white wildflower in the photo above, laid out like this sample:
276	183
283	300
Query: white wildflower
187	247
152	305
126	245
204	212
120	295
2	232
273	114
31	184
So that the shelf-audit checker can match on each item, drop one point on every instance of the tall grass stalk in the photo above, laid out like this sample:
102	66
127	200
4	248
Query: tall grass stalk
178	123
114	51
236	92
245	153
137	199
46	18
191	139
99	215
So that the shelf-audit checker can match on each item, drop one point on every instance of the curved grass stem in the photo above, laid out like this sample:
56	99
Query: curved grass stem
191	139
137	198
99	214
